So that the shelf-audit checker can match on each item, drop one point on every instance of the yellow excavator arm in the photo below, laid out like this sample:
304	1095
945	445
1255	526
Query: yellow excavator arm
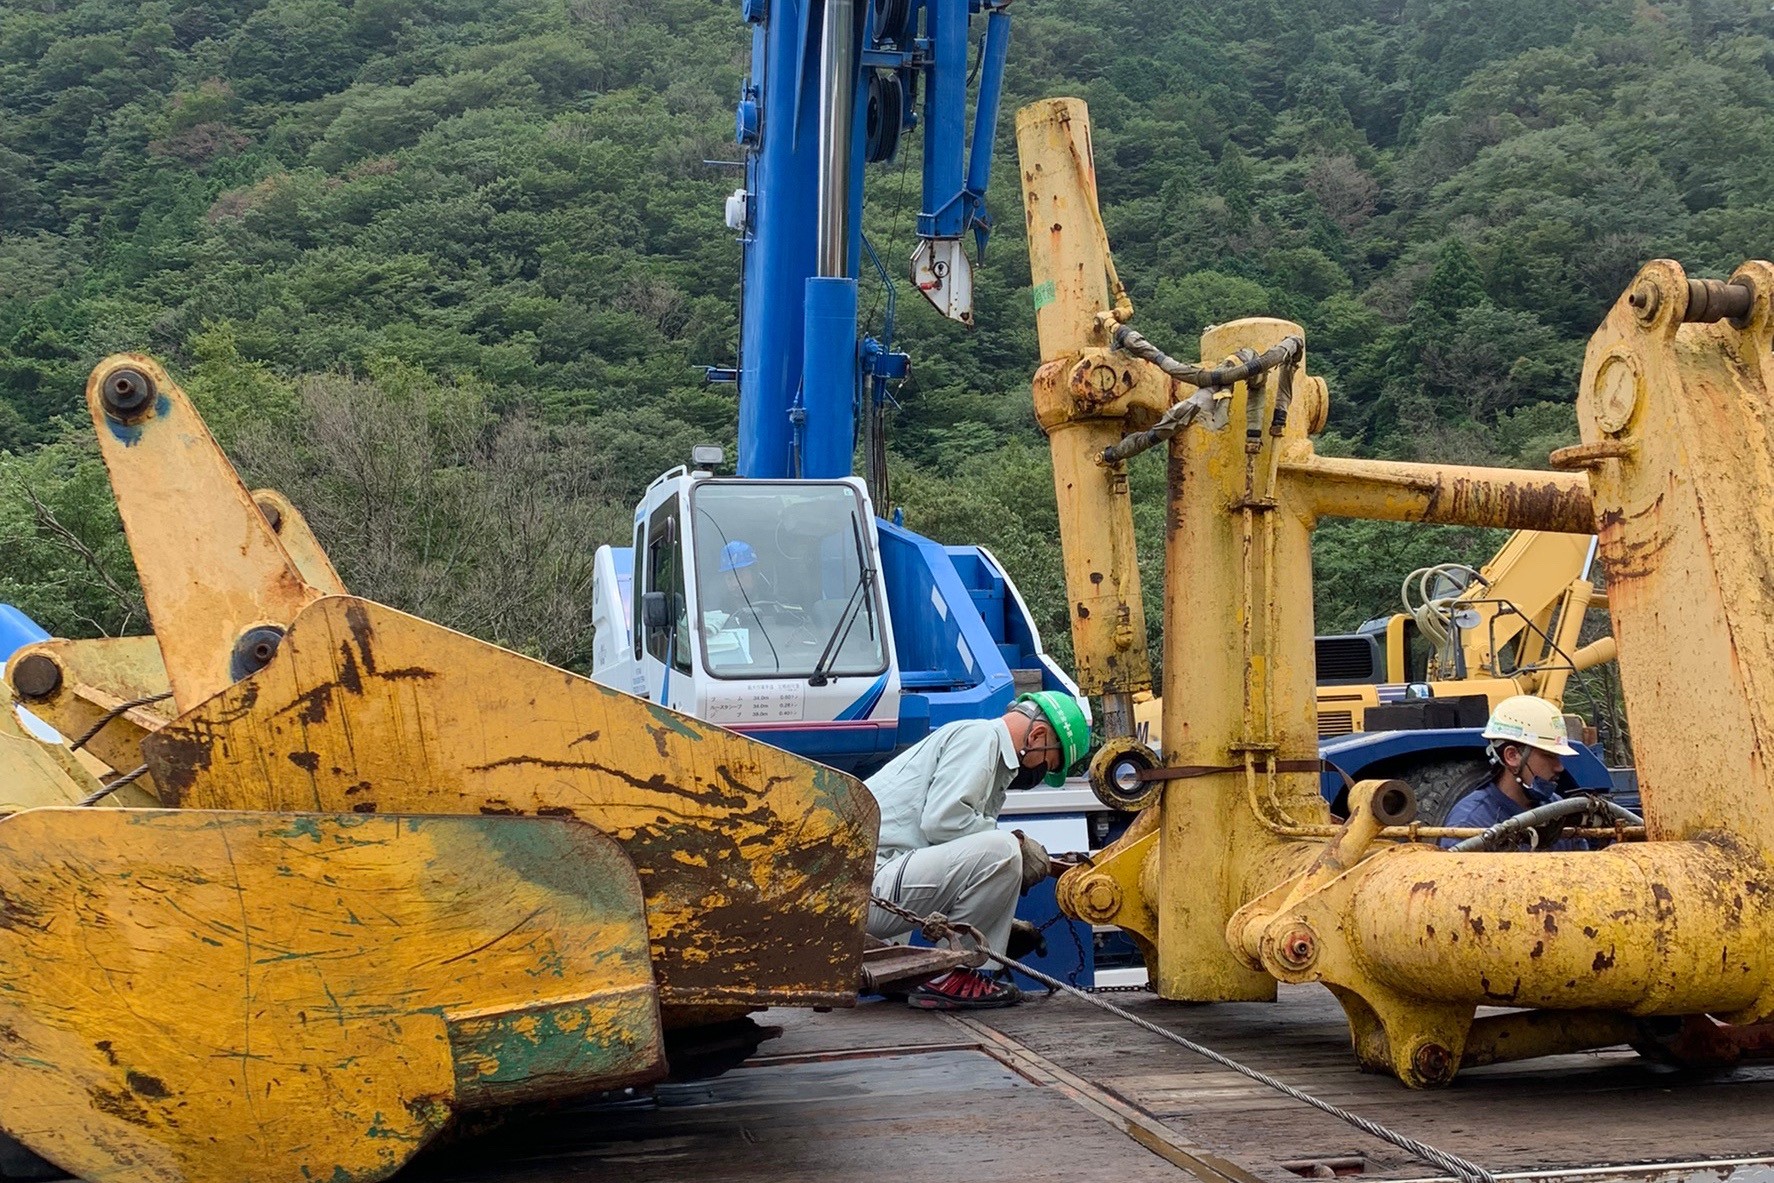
1233	877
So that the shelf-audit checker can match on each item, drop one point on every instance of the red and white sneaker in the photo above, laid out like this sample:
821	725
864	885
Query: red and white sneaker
963	989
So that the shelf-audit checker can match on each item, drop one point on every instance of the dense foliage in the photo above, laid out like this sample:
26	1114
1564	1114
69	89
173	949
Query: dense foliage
502	211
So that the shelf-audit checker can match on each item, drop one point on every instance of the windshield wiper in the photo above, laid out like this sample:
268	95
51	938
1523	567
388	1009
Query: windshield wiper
858	597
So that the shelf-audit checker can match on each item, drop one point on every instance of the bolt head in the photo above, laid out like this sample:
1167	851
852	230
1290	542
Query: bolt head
126	393
1100	897
1645	300
36	676
1298	950
1433	1064
254	651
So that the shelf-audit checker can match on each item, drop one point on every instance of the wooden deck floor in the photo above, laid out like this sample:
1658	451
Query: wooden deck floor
1058	1090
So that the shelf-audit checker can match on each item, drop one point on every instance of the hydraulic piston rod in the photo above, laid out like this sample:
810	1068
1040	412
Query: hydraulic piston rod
837	110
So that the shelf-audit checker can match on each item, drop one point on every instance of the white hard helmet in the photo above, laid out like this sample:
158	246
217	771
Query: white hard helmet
1526	719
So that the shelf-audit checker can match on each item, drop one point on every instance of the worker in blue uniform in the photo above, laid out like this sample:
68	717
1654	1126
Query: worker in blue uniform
1527	746
940	848
740	585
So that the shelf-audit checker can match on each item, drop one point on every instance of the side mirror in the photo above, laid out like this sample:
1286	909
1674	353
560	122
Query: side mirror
655	613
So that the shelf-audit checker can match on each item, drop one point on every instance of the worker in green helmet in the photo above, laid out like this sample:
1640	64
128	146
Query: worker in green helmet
940	848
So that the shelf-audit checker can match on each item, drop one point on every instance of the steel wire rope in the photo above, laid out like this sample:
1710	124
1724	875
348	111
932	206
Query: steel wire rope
109	787
120	709
1462	1169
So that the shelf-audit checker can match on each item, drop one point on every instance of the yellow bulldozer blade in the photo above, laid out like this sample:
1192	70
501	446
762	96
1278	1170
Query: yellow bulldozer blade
252	998
755	862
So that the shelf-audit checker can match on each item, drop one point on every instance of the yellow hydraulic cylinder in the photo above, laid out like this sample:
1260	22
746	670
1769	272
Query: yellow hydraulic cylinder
1086	399
1443	494
1664	928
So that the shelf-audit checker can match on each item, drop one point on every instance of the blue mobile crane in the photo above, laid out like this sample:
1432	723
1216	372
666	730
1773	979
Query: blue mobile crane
775	601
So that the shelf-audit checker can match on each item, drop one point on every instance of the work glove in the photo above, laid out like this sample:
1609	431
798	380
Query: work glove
1037	864
1025	939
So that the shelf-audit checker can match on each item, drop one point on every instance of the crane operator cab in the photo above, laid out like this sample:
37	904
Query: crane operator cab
757	605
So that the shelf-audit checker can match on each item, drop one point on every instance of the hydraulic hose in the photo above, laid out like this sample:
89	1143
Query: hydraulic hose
1540	815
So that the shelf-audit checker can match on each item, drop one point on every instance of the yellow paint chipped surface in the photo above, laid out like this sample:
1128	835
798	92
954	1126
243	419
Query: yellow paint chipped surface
226	997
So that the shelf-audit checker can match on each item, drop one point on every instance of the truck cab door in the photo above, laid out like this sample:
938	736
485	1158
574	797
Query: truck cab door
664	645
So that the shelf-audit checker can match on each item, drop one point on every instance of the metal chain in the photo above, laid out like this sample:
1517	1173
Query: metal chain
1077	946
1285	353
119	709
1207	380
936	926
1461	1168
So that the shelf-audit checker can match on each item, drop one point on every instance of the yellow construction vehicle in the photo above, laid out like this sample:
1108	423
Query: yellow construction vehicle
1234	877
1509	627
391	873
1406	697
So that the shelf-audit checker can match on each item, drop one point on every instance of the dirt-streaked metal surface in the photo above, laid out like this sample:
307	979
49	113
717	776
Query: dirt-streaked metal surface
755	862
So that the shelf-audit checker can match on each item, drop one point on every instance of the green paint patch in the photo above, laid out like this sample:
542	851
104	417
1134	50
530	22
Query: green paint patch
837	792
672	722
586	1041
378	1129
1043	294
299	827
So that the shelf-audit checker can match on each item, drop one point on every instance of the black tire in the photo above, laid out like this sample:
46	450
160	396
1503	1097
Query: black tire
1439	781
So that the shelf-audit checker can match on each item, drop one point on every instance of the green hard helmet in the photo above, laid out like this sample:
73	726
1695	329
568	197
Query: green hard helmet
1065	714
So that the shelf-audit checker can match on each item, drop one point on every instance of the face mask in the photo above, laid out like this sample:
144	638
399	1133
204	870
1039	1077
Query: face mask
1540	790
1026	778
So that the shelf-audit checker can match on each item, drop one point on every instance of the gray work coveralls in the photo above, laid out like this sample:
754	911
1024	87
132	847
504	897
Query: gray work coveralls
940	848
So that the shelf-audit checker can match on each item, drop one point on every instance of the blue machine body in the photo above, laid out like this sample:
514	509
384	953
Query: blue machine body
801	359
1366	754
965	642
16	631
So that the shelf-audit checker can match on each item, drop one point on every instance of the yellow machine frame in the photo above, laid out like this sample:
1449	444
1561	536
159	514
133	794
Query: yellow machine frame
1236	879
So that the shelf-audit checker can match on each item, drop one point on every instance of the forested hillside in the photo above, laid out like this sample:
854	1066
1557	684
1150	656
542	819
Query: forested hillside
438	267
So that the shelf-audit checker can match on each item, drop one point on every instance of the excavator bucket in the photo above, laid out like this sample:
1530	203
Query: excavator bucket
755	862
217	997
413	872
